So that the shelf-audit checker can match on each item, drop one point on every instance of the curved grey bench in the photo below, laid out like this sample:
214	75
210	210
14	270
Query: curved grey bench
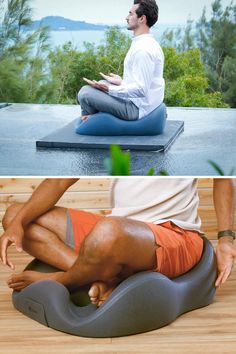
143	302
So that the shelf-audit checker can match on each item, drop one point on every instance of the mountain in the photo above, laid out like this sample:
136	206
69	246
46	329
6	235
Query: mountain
58	23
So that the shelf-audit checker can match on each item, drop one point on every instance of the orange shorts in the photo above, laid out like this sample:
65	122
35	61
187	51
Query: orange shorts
178	249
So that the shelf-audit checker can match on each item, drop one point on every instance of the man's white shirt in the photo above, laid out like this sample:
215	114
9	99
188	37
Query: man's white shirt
143	81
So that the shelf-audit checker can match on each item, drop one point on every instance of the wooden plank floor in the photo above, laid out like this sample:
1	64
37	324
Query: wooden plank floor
208	330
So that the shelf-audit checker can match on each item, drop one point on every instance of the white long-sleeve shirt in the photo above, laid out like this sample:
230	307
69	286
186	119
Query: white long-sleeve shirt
143	81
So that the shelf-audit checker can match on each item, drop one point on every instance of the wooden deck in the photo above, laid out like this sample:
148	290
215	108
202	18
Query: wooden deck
93	194
209	134
208	330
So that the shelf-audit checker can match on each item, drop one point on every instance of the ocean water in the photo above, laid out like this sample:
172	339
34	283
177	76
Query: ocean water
77	38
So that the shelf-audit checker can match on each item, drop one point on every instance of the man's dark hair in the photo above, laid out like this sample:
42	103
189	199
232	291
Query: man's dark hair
148	8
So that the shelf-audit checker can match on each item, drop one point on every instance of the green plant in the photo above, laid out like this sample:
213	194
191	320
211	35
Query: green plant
22	54
118	164
215	39
219	170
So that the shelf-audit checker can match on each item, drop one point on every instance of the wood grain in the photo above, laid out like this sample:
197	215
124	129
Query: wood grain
28	185
89	200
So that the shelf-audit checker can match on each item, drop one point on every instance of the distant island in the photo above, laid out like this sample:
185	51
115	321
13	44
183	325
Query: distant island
58	23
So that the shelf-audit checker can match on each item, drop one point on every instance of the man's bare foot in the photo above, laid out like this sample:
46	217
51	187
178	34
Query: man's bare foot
84	118
99	292
21	280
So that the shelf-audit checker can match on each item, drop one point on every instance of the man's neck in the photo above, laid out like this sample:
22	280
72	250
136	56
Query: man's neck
140	31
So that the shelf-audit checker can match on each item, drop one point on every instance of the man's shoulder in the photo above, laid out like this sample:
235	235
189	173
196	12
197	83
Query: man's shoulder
149	47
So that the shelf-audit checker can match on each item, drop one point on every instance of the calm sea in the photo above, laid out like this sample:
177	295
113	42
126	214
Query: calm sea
77	38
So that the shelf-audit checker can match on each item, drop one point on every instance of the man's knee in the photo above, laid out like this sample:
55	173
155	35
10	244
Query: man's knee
10	214
101	249
84	94
103	239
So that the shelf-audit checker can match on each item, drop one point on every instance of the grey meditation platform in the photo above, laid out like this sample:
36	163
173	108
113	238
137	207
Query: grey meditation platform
3	104
67	138
209	134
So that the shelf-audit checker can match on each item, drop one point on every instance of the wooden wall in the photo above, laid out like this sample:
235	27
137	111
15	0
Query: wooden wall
93	194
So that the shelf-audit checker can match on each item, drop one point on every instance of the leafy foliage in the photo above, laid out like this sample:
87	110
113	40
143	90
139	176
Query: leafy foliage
216	40
22	54
186	81
119	162
69	66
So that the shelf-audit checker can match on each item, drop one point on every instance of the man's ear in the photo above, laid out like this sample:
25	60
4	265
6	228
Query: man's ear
143	19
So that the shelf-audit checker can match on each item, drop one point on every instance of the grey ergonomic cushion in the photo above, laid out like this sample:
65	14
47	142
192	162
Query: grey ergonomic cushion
105	124
143	302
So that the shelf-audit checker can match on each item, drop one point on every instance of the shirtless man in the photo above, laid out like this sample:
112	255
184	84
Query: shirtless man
142	88
154	225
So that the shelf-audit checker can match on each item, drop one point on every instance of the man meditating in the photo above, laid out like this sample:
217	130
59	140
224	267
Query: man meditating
153	226
142	87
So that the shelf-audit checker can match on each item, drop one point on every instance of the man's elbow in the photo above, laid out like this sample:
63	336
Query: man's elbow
142	91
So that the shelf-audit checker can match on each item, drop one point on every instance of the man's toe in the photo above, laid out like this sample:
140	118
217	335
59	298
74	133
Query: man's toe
94	293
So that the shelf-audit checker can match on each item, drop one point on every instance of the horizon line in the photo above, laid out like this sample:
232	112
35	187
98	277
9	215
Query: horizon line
107	24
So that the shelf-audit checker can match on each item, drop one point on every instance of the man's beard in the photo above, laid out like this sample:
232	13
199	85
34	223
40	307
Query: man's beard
130	27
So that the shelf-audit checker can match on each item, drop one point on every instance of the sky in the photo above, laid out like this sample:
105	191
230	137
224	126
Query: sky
115	11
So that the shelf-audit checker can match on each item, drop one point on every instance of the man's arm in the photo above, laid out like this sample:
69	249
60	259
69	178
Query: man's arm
224	202
142	76
143	69
43	199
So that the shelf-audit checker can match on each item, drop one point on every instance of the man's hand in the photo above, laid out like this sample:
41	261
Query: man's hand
112	78
97	85
12	236
225	254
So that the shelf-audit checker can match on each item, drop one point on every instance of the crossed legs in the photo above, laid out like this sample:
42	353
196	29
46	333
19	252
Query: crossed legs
114	249
94	101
